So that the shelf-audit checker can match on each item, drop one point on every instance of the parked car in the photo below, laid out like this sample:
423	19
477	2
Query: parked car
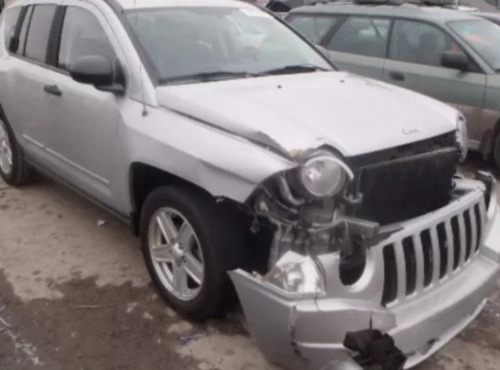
233	146
451	56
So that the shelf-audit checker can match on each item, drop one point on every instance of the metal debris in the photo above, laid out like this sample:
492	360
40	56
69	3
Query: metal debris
101	223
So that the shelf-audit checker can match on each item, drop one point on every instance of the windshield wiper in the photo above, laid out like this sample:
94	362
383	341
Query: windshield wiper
207	76
297	68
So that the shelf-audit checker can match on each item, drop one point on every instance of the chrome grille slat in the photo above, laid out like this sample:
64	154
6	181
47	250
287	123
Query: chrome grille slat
401	268
450	247
436	257
420	259
474	230
482	212
463	241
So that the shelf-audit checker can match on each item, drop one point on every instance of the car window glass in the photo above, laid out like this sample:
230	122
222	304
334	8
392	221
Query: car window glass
483	37
82	35
363	36
184	42
24	32
420	43
39	32
10	24
314	28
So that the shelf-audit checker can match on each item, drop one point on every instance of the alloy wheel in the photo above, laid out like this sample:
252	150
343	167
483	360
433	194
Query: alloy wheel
176	253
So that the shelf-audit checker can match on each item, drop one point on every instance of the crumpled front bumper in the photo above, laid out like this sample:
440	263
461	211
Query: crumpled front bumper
300	332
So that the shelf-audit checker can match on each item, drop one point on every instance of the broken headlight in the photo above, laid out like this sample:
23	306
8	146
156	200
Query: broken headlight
295	273
462	136
322	175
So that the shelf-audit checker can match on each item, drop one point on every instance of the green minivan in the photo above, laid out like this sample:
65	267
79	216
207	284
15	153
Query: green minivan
449	55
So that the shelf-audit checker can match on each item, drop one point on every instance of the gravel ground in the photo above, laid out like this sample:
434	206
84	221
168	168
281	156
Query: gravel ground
75	295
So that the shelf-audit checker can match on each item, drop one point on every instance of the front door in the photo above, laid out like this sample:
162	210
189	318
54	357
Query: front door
86	121
415	63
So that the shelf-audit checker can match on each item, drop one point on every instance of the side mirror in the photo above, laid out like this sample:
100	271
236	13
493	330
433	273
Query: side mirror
455	60
95	70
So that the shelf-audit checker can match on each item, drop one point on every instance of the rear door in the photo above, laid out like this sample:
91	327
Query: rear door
360	45
414	62
27	104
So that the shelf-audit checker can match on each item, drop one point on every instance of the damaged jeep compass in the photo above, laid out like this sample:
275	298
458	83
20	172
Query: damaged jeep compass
251	168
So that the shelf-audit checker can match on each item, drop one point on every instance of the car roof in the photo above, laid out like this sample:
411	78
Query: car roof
140	4
436	14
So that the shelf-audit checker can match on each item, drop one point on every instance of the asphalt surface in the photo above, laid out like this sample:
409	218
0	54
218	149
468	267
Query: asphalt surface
74	294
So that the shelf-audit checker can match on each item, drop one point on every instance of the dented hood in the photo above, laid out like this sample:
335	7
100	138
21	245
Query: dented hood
294	113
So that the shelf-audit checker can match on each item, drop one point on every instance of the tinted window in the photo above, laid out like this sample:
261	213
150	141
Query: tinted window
363	36
39	32
420	43
314	28
82	35
11	18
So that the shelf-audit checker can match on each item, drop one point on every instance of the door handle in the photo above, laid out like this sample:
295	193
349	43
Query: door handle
397	76
52	89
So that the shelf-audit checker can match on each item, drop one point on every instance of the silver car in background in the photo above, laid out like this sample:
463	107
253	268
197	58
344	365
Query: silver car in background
449	55
233	147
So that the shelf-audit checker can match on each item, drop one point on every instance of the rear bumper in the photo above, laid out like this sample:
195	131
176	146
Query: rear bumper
307	333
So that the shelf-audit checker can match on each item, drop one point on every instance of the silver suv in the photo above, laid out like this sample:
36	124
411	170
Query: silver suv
230	144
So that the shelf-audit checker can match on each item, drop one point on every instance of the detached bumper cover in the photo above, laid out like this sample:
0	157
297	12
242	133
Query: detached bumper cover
307	332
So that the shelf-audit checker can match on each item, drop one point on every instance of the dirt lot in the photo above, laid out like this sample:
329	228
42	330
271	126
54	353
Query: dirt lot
75	295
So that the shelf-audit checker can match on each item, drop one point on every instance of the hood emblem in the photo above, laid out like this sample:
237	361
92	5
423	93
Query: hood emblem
410	130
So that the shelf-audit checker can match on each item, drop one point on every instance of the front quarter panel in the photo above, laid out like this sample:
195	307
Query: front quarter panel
221	163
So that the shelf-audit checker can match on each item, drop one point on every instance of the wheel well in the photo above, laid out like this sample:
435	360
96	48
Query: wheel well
145	178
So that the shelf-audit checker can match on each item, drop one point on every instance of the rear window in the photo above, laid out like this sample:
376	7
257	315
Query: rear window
39	32
11	19
312	27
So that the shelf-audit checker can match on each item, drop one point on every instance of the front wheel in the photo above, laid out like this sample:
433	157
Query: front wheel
189	243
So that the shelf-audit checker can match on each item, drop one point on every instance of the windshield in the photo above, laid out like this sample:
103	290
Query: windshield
184	43
483	36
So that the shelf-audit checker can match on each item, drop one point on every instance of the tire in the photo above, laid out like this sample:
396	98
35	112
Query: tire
496	151
13	168
217	243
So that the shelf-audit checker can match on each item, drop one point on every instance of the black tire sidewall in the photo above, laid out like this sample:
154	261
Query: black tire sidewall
203	215
496	151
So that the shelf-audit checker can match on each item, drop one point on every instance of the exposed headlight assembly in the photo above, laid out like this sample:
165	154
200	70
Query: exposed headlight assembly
296	274
323	175
462	136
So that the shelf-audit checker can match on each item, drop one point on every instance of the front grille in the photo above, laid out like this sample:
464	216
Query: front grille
429	256
399	189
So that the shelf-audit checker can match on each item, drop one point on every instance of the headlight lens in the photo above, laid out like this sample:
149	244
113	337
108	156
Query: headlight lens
462	136
295	273
323	175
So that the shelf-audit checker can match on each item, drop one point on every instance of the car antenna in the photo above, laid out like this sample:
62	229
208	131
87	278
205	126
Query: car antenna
144	109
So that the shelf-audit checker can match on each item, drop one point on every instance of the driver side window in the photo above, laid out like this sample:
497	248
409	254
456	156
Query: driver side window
82	35
420	43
